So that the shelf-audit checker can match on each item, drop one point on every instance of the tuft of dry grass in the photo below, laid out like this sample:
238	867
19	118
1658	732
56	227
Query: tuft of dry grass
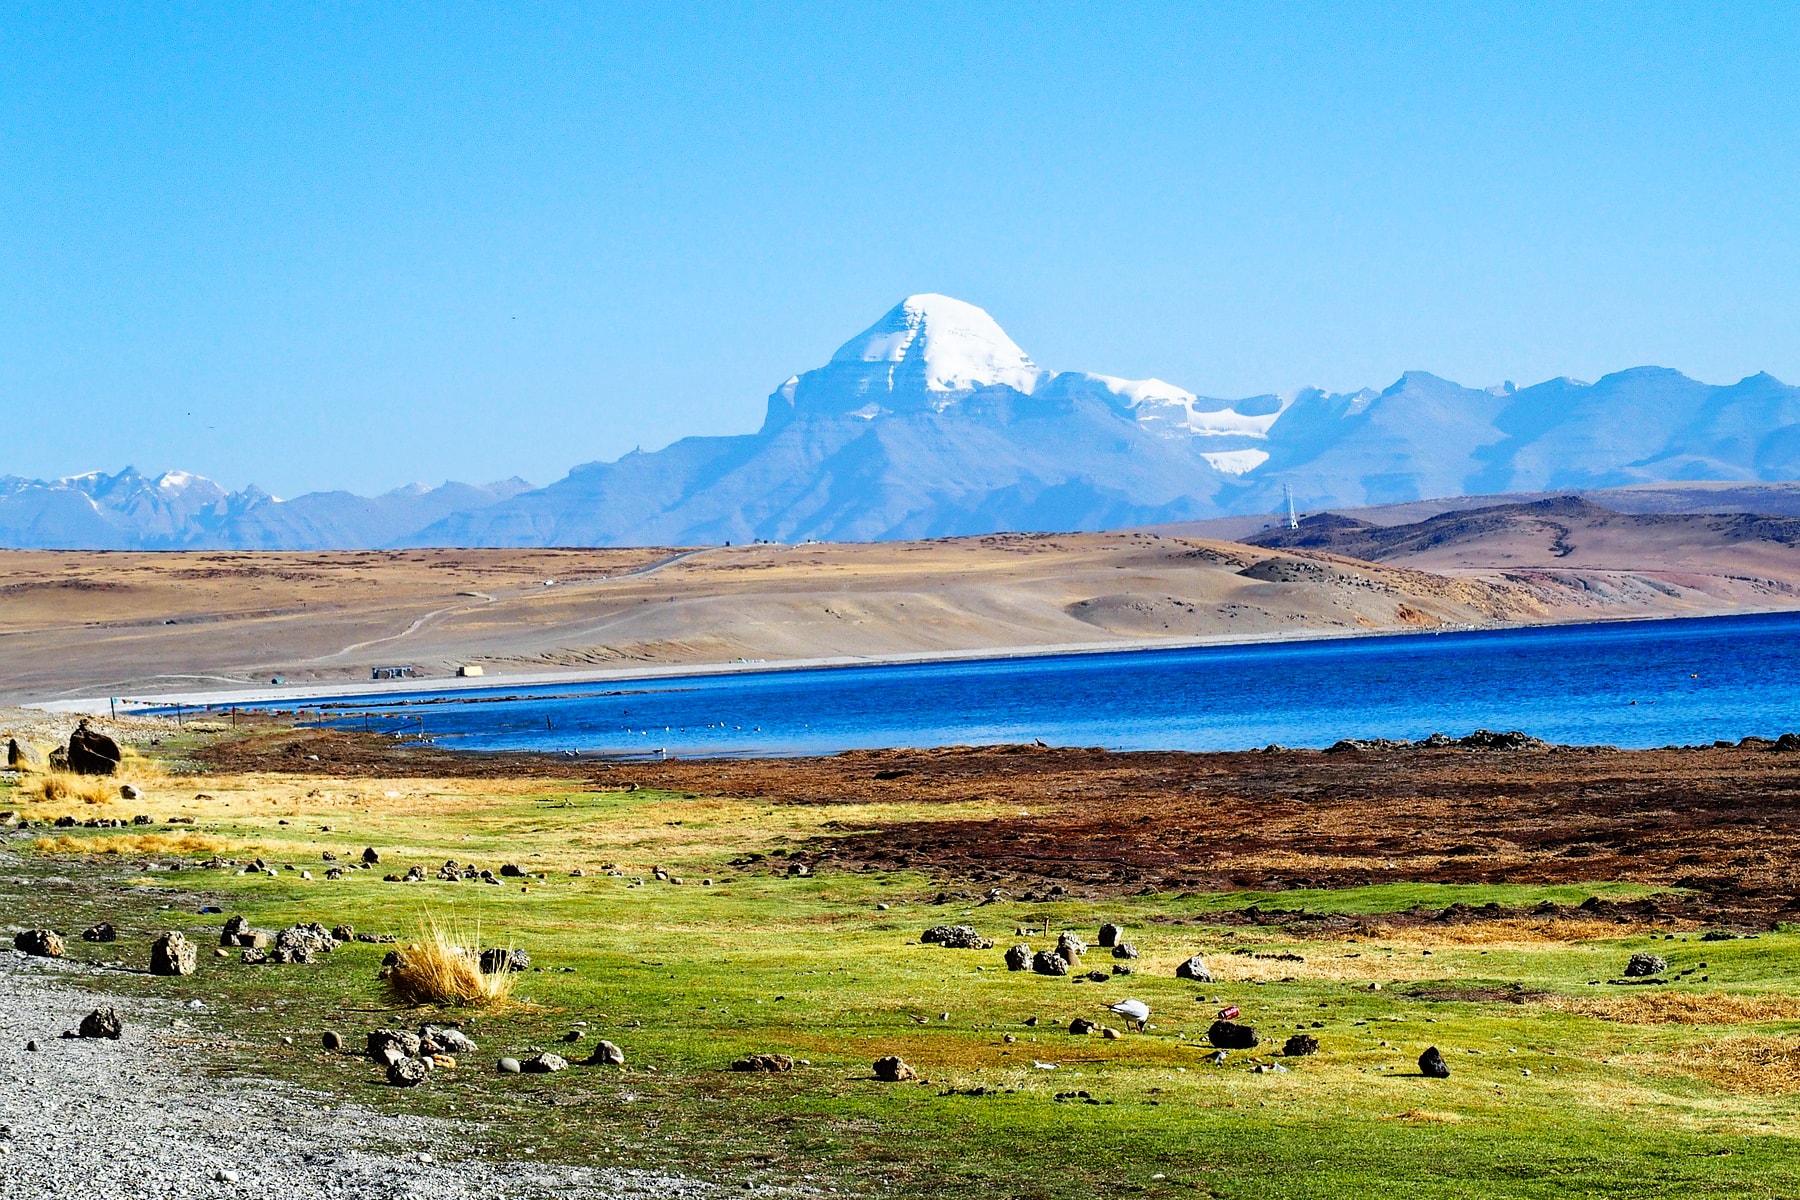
1420	1116
1682	1008
443	968
62	787
132	843
1756	1065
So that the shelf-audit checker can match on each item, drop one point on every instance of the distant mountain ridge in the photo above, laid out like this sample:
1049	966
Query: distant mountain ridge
933	422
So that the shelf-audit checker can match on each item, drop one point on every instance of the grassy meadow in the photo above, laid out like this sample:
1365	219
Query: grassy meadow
1560	1085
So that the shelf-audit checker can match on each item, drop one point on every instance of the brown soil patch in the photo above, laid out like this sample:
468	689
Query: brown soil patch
1723	825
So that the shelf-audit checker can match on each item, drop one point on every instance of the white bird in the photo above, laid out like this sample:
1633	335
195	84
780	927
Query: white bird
1132	1010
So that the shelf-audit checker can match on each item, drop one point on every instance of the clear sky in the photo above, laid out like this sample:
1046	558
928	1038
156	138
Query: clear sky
357	245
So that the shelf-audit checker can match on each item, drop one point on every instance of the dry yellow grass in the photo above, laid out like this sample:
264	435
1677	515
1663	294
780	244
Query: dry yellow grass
63	787
1758	1065
133	843
1682	1008
443	968
1420	1116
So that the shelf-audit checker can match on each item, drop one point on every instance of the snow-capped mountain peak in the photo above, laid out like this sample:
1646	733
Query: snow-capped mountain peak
945	344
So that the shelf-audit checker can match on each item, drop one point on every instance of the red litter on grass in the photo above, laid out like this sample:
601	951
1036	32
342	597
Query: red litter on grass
1225	1014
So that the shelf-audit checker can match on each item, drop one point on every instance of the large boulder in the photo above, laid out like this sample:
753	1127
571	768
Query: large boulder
1432	1064
1125	950
446	1040
1300	1045
893	1069
103	932
173	954
1049	962
606	1055
1229	1035
1642	966
389	1046
102	1023
22	757
1195	969
91	752
408	1072
1019	958
1070	948
1110	934
544	1064
45	943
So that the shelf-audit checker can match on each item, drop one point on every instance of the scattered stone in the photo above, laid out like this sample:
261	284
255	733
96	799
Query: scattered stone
764	1062
956	937
510	1066
1124	950
1070	948
129	792
371	856
388	1046
1229	1035
255	956
173	954
102	932
233	926
1110	934
91	752
512	871
1081	1026
102	1023
1642	965
408	1072
253	937
32	1045
1300	1045
1049	962
1097	976
545	1063
1432	1064
606	1055
332	1040
21	757
1019	958
1195	969
449	1040
1110	1034
44	943
893	1069
1483	739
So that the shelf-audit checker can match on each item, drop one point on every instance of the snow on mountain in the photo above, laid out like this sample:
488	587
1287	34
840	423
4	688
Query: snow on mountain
933	422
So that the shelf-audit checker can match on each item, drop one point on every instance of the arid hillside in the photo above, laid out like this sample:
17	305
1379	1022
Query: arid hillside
137	624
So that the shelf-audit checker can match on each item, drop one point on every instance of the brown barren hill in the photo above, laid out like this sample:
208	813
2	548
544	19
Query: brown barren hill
134	625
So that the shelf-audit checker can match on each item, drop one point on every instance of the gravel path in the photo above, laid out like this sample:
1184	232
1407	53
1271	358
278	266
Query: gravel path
102	1120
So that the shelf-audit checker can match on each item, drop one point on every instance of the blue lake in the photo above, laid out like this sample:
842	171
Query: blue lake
1645	683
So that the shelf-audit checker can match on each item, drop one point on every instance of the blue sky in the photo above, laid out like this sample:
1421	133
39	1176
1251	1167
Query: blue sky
354	246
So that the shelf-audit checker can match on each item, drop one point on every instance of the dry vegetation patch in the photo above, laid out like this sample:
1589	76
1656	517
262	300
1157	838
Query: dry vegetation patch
1684	1008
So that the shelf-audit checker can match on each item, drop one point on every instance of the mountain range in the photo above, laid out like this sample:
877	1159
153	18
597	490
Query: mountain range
933	422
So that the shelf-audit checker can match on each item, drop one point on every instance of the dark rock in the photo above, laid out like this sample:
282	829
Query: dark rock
1642	965
1788	741
1081	1026
21	757
956	937
371	856
1484	739
606	1055
102	932
129	792
1110	934
497	961
1432	1064
387	1046
255	956
102	1023
764	1062
1049	962
45	943
407	1072
512	871
59	759
173	954
893	1069
1300	1045
1070	948
91	752
233	926
544	1064
332	1040
1195	969
1019	958
1097	976
253	937
344	933
1125	950
1229	1035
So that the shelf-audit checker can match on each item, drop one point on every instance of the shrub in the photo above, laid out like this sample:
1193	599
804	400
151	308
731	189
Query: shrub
444	968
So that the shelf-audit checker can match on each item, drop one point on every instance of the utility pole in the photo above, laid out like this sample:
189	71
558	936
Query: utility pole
1288	493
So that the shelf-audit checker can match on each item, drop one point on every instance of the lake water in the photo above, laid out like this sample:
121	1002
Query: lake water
1643	683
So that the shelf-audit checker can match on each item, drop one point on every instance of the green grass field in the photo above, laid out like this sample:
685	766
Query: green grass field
1577	1088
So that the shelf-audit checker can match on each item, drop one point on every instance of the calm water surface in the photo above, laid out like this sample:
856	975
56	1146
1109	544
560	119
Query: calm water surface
1646	683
